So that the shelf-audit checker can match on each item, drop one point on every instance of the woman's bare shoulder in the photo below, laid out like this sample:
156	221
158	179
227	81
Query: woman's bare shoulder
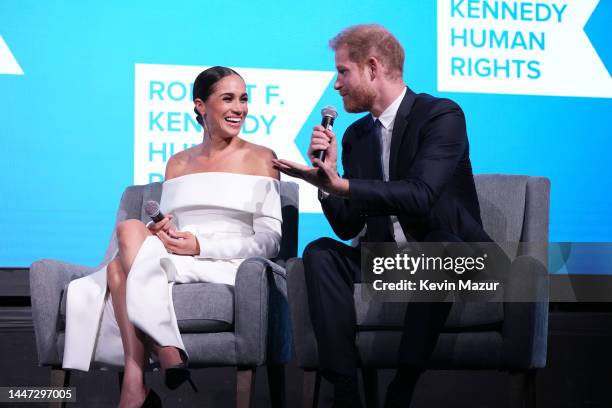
259	161
177	163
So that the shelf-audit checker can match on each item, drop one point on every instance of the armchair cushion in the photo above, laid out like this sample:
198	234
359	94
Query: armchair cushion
199	307
468	350
464	316
203	307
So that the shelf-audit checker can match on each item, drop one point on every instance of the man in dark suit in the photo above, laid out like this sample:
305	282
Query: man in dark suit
407	177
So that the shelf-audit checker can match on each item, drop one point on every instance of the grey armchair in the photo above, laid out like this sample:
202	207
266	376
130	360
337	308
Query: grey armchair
244	326
502	336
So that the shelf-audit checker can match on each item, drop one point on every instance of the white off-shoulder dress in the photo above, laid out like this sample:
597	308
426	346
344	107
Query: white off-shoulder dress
234	216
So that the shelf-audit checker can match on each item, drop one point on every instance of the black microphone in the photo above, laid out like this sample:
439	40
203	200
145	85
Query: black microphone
152	209
328	114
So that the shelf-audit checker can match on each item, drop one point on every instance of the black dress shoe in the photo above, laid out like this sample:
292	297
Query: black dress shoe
152	400
177	375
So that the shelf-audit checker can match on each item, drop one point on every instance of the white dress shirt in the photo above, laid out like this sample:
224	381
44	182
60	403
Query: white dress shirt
387	120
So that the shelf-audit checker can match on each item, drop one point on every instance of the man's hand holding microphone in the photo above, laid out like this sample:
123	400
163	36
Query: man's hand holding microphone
323	154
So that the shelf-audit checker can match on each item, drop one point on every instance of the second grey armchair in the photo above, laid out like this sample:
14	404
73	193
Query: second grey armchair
507	336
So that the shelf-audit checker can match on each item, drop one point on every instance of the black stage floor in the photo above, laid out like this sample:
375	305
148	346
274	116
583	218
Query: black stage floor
579	373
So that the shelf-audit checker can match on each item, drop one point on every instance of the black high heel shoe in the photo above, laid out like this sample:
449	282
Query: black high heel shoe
152	400
177	375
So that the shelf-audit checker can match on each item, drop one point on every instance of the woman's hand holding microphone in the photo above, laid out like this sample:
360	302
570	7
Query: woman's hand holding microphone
176	242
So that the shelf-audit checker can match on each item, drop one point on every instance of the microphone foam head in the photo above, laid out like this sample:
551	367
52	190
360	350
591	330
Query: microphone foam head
151	208
329	111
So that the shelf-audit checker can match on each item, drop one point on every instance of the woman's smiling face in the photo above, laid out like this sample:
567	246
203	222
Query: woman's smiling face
225	110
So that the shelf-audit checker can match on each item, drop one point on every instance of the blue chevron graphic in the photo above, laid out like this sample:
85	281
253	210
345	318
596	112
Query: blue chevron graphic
598	30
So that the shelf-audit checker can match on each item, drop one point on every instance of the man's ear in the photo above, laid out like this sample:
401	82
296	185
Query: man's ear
373	66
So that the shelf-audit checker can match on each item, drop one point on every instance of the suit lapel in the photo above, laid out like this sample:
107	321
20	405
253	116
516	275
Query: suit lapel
399	128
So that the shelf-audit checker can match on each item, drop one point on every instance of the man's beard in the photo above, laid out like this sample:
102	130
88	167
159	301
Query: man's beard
359	99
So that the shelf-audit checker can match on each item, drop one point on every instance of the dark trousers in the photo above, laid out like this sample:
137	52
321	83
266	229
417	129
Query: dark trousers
332	269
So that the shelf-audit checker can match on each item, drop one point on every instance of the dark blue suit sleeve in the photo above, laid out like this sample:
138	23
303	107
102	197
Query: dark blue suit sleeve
343	218
442	144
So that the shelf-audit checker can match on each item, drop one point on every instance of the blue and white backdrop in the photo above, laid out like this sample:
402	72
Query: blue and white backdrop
97	96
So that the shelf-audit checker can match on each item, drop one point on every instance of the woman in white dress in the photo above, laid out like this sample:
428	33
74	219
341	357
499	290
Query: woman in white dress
222	203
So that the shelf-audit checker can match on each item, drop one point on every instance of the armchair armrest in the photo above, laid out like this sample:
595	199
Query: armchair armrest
261	321
251	313
48	278
303	333
525	328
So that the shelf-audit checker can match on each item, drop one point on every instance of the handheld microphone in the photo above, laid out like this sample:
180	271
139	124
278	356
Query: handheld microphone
328	114
152	209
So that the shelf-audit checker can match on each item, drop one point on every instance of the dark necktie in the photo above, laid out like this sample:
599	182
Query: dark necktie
378	227
378	148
